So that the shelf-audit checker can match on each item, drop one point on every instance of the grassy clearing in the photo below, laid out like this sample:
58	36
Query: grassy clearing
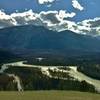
48	95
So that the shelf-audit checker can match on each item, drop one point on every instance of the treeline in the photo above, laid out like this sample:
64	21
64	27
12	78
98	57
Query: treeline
6	83
33	79
91	70
65	61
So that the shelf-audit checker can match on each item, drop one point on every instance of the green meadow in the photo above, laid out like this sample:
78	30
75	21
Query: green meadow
49	95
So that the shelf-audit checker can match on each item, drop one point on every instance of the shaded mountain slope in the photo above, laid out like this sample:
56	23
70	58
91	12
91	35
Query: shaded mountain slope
33	40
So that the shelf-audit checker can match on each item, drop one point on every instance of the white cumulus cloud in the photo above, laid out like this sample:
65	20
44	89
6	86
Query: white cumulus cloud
63	14
29	17
53	20
6	20
45	1
77	5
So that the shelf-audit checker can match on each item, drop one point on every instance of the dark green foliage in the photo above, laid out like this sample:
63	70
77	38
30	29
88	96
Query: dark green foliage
6	56
86	87
92	70
60	74
64	68
6	83
63	60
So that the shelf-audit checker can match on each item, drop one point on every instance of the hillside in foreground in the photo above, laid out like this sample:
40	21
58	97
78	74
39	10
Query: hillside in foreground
49	95
19	76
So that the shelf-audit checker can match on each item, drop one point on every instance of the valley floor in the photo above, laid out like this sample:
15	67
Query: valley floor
48	95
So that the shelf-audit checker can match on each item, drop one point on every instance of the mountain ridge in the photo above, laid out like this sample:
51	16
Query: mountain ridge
37	39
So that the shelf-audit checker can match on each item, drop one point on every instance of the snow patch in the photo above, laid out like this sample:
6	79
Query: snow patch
16	80
3	68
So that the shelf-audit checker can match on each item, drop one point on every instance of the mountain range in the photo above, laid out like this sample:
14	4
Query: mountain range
36	40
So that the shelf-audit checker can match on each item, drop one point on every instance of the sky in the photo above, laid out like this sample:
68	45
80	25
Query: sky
79	16
91	7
